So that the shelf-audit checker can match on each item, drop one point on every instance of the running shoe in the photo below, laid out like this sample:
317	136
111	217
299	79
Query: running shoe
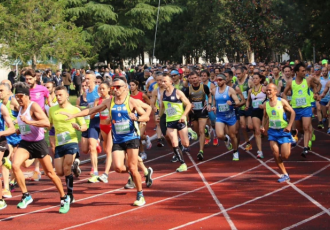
328	131
6	193
65	205
296	136
26	200
160	143
313	137
182	168
174	159
207	135
91	172
310	144
12	186
3	204
305	152
93	179
200	155
149	177
6	162
143	156
185	150
148	142
193	134
236	156
320	125
260	155
75	167
207	141
228	144
140	201
98	147
284	178
130	183
248	147
103	178
215	141
36	176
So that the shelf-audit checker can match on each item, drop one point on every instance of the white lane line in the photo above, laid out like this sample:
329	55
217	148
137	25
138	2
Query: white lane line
293	186
304	221
252	200
326	158
215	198
288	161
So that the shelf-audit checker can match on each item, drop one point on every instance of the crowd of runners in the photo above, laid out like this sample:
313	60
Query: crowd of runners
208	103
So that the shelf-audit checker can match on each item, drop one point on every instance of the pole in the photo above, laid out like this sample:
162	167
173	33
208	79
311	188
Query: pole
153	52
314	54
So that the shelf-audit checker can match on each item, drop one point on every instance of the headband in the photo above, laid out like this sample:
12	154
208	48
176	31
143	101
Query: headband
21	90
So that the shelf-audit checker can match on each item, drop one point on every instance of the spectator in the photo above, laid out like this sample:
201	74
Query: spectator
48	77
77	81
39	78
11	77
66	78
58	79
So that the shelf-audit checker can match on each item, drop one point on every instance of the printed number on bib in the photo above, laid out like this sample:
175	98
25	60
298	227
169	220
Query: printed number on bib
275	124
256	103
198	105
301	101
223	107
63	138
105	113
245	94
170	111
122	127
289	98
25	129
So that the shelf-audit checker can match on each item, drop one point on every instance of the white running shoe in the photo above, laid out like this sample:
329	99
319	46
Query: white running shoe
260	155
228	144
148	142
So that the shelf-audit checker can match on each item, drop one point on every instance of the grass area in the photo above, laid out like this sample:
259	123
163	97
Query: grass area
72	100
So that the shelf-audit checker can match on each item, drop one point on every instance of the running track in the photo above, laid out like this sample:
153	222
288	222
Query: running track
214	194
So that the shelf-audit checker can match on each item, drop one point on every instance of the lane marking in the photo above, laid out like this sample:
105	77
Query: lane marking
304	221
230	222
326	158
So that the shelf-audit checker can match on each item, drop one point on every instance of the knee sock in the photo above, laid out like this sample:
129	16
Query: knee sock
178	154
69	184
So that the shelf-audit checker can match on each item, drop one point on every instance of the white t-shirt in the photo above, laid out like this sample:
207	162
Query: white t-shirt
149	79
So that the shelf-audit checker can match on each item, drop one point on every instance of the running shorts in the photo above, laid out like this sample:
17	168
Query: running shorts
62	150
303	112
131	144
36	149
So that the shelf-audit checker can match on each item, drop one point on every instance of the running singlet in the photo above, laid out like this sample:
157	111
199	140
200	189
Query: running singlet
138	96
84	104
223	109
276	81
206	97
29	132
91	97
173	106
323	83
245	89
178	86
64	132
54	102
277	116
197	97
300	95
123	128
12	113
38	95
105	113
257	98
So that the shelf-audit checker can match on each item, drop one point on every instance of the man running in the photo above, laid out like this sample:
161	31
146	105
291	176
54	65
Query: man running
66	137
31	120
322	114
222	104
279	128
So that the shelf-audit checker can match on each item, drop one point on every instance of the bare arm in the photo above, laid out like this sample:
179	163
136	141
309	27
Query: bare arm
286	90
153	99
264	121
14	103
41	119
146	99
240	94
139	107
326	89
247	103
11	128
186	102
289	109
232	94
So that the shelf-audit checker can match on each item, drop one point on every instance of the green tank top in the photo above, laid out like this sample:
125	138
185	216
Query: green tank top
245	90
276	114
11	113
178	86
173	107
300	95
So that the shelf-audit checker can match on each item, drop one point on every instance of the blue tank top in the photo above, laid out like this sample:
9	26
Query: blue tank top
2	122
123	128
91	97
223	109
82	102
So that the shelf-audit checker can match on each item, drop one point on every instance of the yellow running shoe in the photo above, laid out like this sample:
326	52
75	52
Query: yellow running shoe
6	193
140	201
248	147
313	137
93	179
310	145
182	168
6	162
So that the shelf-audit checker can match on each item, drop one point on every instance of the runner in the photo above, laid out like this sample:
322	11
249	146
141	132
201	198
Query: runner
279	128
172	102
178	84
66	137
325	96
222	104
31	120
301	102
257	96
136	94
197	93
322	113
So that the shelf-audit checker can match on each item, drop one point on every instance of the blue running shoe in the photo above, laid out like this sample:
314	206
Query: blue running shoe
284	178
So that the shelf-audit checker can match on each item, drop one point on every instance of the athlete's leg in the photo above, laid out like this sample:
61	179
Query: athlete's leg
92	143
20	156
58	163
201	130
5	171
183	133
257	134
220	130
67	163
108	151
173	136
52	145
142	128
243	128
1	155
118	158
232	134
84	147
278	158
319	111
249	123
238	136
306	123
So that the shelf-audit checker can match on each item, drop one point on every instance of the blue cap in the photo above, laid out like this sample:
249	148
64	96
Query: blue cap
174	72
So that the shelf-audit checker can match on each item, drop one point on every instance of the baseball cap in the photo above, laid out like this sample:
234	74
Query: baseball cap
324	61
174	72
292	63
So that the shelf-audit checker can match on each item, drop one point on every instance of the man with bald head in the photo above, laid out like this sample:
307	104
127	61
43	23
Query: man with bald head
279	128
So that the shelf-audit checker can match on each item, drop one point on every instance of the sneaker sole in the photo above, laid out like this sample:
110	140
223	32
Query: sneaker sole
3	207
5	196
29	202
150	178
284	181
235	159
139	205
99	179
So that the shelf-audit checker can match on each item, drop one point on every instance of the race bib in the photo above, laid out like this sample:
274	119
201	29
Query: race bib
122	127
63	138
105	113
245	94
170	112
24	129
87	117
289	98
274	124
223	108
91	105
198	105
256	103
301	101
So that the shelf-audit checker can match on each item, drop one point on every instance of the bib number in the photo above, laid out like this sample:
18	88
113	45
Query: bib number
223	108
170	112
122	127
105	113
245	94
25	129
275	124
198	105
63	138
289	98
301	102
256	103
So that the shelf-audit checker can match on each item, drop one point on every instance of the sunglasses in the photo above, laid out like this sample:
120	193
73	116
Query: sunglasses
220	79
316	69
116	87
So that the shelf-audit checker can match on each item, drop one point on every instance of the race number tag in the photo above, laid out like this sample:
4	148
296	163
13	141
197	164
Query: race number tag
275	124
223	108
289	98
256	103
198	105
301	101
63	138
122	127
170	112
105	113
24	129
245	94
